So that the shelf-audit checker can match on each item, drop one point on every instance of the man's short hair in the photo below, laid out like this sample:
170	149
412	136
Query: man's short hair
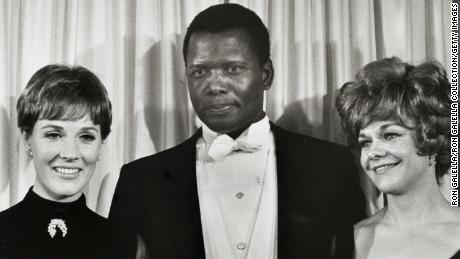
223	17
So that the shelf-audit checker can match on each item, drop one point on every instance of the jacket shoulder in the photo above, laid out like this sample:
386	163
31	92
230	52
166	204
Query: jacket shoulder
319	156
164	159
297	140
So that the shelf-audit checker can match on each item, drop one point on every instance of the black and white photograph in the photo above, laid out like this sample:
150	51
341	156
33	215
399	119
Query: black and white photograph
229	129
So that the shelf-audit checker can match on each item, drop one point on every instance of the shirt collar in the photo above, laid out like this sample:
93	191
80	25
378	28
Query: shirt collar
256	133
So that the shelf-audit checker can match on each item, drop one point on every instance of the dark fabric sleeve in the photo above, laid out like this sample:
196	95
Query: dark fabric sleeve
344	243
354	206
456	255
122	245
124	208
353	209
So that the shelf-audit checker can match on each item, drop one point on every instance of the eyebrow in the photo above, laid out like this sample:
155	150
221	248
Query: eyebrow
384	127
361	135
89	128
201	63
52	126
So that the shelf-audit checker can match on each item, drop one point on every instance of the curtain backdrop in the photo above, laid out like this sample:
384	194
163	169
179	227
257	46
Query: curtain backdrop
135	49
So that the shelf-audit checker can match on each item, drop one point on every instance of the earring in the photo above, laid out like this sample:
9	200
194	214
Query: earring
98	157
29	154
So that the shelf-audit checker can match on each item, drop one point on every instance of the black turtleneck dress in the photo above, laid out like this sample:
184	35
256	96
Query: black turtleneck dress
39	228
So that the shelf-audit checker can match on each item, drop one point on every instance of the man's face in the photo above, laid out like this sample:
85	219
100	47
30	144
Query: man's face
225	80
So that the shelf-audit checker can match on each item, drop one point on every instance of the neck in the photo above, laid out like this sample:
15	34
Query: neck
48	196
419	206
235	134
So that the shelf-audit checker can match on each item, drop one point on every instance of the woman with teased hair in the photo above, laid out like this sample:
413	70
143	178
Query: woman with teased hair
399	116
64	115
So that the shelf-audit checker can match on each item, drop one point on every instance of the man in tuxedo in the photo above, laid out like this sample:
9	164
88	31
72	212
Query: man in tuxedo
241	187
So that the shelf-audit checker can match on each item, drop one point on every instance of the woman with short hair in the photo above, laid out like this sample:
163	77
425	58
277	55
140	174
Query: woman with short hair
64	115
399	116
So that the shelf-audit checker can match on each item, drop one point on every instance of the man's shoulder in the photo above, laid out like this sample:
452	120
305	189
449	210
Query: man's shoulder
166	157
307	143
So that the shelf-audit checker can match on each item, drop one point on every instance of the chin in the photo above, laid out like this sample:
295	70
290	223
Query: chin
392	183
66	191
390	188
220	126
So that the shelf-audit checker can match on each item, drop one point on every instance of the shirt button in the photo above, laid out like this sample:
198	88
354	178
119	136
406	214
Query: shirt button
259	180
239	195
241	246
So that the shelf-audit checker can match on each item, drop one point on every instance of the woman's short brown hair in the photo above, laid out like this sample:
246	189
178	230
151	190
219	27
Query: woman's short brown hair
390	89
61	92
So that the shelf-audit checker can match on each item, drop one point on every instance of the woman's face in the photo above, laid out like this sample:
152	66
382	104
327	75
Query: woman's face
390	159
65	155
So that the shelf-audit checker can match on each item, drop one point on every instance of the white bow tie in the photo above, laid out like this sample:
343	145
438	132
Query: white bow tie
224	145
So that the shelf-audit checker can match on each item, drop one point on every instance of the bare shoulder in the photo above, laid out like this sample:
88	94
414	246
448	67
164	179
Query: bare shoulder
364	232
365	229
438	237
370	222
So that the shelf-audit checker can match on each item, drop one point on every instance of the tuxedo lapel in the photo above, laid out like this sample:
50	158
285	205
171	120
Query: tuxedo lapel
185	204
295	217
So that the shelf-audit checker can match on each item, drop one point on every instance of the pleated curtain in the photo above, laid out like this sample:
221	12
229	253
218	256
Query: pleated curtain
135	47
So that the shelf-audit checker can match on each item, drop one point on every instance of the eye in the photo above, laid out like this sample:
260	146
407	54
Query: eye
364	143
53	135
234	69
197	72
87	137
390	135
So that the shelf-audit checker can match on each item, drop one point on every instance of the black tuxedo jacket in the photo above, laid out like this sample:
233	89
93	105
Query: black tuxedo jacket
318	193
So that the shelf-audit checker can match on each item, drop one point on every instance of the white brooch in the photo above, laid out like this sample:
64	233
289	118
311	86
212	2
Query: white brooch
60	224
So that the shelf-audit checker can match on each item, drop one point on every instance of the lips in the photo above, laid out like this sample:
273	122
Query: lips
67	171
219	108
383	168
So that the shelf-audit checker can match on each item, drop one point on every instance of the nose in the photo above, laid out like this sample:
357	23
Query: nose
376	150
69	150
216	84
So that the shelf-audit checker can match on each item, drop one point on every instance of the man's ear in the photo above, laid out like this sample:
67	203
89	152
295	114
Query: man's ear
267	74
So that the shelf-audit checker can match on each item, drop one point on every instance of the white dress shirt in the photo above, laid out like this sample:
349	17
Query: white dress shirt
238	196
